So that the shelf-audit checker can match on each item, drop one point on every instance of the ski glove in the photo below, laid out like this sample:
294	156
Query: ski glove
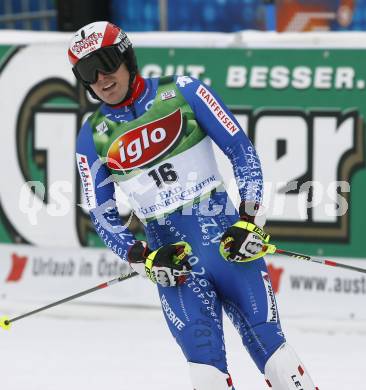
167	266
244	241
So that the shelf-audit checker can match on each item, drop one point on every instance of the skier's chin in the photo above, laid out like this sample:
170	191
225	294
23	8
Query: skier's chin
114	96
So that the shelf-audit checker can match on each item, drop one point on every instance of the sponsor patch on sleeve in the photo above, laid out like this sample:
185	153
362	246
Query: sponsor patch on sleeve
168	95
86	180
182	81
216	109
272	313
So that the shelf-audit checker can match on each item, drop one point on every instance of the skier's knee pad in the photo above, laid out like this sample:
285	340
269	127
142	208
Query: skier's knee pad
284	371
206	377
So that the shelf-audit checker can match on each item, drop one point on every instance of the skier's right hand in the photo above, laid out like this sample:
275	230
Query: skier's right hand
167	266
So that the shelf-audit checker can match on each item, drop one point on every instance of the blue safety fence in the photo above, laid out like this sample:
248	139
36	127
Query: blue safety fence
28	14
136	15
359	17
216	15
219	15
181	15
192	15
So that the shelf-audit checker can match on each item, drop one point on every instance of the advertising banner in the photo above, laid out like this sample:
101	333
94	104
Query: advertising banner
308	290
303	110
32	276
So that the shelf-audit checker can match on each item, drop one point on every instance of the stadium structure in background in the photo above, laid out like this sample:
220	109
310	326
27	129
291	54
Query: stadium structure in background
186	15
319	15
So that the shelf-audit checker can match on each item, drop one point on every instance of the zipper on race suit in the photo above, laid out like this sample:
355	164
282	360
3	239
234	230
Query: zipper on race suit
133	110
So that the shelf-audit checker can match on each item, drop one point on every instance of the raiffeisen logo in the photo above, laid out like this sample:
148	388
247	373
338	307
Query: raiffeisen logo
143	144
216	109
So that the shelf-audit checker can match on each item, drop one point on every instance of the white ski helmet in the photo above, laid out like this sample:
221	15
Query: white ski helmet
101	47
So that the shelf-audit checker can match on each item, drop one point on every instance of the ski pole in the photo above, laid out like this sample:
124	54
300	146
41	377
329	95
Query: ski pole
5	322
272	249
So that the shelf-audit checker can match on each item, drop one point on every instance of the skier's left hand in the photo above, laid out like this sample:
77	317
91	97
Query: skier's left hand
244	240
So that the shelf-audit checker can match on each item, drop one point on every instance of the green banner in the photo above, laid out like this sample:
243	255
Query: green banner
303	110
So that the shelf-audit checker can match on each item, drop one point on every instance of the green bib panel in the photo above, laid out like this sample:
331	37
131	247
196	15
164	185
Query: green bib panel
127	147
163	159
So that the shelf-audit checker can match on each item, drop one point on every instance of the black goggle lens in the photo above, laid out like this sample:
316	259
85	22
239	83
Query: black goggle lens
105	60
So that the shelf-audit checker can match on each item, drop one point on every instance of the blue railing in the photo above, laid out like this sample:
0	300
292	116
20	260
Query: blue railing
193	15
173	15
28	14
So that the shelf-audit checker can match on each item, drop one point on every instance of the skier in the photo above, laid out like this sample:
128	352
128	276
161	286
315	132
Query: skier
152	137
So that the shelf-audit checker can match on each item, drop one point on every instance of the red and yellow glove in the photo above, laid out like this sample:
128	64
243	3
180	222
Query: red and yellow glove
245	240
167	266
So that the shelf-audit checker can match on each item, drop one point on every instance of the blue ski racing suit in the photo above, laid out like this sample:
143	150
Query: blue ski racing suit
158	149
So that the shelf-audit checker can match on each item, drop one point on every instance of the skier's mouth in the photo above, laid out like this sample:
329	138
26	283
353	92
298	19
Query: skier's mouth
109	86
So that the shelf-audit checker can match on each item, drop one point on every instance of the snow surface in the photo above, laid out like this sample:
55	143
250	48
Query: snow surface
89	347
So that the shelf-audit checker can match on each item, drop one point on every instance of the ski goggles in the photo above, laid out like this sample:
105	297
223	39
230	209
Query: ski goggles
106	60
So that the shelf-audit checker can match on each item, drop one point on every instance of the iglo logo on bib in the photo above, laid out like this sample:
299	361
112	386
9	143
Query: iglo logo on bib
142	145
